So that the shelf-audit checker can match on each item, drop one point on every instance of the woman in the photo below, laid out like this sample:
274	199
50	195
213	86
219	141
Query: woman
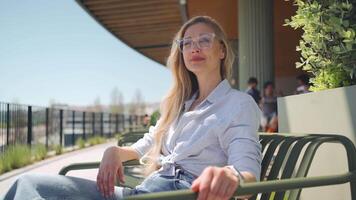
269	120
206	137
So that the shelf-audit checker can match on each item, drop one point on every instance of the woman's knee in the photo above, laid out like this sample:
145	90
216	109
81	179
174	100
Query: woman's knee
28	178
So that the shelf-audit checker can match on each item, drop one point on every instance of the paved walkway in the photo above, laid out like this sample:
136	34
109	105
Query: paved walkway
53	165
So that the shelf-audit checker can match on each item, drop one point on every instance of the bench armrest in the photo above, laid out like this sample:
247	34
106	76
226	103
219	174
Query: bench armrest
90	165
258	187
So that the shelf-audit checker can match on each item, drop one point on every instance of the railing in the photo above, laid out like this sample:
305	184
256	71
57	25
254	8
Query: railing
23	124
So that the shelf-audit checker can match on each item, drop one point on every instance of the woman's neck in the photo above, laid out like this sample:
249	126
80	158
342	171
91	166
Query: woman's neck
206	85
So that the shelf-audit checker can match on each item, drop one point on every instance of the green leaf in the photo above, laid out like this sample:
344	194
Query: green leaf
346	23
328	42
298	64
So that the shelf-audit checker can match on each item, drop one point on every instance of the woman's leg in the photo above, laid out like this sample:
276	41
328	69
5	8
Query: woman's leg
273	124
264	123
51	187
160	183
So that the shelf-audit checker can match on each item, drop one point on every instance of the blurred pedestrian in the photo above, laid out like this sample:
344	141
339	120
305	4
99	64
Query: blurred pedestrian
252	89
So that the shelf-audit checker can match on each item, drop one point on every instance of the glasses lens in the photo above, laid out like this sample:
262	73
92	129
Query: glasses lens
187	44
205	41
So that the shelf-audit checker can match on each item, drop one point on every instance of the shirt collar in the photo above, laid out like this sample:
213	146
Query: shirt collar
220	90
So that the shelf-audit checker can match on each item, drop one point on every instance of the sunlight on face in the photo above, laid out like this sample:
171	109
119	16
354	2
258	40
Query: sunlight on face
207	58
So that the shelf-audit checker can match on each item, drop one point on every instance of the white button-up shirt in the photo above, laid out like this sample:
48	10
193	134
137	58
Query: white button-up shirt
220	131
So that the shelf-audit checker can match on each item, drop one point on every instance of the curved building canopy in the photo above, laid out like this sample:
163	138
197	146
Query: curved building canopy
148	26
265	48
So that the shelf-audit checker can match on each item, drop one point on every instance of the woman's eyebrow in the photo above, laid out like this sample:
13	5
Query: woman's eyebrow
189	37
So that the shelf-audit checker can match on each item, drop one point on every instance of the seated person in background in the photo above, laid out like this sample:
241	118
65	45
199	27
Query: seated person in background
269	121
252	89
205	140
303	84
146	120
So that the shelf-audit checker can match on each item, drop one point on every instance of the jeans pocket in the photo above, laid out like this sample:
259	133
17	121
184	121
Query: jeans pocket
148	181
181	184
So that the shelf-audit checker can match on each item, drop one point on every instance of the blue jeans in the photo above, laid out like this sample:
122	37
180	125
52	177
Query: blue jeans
53	187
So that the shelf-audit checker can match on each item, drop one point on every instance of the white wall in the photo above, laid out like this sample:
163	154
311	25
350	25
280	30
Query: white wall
329	111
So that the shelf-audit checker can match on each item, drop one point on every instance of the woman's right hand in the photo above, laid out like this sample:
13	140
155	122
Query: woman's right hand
110	168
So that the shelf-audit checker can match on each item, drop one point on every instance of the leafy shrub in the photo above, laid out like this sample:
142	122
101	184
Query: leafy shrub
154	118
328	44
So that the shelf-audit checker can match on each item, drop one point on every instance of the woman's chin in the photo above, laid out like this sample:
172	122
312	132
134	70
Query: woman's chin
196	67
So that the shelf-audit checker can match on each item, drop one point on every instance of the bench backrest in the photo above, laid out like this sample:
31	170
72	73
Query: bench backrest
281	153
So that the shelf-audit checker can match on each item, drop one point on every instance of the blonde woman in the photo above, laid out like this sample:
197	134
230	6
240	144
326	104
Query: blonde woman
206	138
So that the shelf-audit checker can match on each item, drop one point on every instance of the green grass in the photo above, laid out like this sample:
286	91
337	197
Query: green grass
39	152
80	142
58	149
96	140
15	157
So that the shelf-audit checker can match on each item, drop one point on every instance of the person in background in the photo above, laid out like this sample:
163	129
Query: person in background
269	121
146	121
303	84
252	89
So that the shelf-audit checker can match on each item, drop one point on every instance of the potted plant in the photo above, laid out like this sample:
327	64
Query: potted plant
328	52
328	43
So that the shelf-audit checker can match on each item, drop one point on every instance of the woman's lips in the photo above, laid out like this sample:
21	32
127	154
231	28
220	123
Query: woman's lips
197	58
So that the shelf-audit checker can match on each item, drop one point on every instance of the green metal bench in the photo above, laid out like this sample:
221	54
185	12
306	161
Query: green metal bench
130	137
280	170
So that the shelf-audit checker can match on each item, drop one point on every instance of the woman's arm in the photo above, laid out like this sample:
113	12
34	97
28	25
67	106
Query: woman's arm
248	177
126	153
111	167
220	183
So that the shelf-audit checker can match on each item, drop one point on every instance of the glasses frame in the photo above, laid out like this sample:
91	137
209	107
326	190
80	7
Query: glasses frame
195	42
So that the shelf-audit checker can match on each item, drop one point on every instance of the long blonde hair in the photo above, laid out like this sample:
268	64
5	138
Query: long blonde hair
185	83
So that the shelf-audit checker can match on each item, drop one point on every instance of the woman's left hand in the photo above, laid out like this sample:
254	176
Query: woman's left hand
217	183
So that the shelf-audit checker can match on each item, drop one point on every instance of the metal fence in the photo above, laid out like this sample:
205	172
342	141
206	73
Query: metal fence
23	124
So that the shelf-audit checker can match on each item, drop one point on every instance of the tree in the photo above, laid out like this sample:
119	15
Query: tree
137	105
97	105
117	101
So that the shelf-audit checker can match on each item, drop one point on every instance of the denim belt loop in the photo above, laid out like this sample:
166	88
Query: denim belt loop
181	173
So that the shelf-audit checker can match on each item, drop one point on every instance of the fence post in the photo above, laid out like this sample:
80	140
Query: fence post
102	124
47	121
84	126
60	127
29	125
116	123
123	122
130	123
110	125
73	127
93	123
8	124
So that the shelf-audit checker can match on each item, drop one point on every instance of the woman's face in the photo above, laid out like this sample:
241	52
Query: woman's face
269	90
202	51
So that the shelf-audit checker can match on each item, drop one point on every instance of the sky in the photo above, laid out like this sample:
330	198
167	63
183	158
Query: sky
53	50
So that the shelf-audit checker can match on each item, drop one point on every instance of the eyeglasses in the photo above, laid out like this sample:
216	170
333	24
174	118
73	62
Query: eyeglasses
203	41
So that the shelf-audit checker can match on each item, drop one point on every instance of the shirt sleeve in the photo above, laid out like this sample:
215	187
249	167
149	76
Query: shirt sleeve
143	145
240	140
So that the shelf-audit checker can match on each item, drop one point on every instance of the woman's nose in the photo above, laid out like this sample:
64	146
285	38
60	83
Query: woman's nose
195	48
